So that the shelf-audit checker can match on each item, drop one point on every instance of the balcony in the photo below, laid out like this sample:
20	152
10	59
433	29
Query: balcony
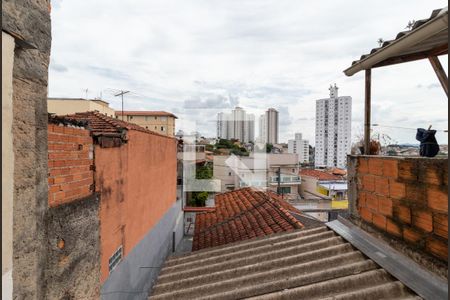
286	180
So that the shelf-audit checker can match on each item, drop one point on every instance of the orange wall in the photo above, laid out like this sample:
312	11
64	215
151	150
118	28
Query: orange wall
137	184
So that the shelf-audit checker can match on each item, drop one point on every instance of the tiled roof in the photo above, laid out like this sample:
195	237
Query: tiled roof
302	264
435	40
240	215
320	175
100	124
146	113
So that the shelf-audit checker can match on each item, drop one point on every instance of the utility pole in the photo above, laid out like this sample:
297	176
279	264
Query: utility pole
121	94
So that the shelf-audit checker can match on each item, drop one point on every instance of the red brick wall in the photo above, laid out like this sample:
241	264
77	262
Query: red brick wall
70	164
406	198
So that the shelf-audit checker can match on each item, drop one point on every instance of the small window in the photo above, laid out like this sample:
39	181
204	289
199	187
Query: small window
115	259
162	128
156	118
229	173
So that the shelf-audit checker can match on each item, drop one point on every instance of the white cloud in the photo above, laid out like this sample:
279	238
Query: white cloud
256	53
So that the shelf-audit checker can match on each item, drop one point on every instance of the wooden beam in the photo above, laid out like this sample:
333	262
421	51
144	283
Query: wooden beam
440	72
441	50
367	111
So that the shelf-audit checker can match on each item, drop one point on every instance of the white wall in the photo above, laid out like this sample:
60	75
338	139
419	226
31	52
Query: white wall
7	164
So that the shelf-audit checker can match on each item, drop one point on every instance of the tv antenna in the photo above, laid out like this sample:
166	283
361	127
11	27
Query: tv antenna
121	94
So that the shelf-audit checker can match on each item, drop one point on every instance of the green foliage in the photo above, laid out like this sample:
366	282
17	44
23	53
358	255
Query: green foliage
199	199
224	144
204	172
209	147
269	148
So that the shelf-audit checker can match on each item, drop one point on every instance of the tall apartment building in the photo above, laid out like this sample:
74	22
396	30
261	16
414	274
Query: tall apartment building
299	146
333	130
268	127
238	125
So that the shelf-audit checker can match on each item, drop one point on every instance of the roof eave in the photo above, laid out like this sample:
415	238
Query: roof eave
394	49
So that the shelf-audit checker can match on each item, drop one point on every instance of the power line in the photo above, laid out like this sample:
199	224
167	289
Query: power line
400	127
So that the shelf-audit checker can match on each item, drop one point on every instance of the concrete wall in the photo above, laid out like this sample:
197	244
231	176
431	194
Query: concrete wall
73	266
8	45
135	276
70	164
71	106
222	172
30	20
137	183
404	197
308	188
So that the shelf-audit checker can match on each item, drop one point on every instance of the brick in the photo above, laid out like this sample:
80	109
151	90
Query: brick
397	190
375	166
365	214
416	194
58	129
379	221
368	183
393	228
412	236
437	199
422	220
382	186
54	188
402	213
372	202
363	167
361	199
51	181
390	168
440	225
385	206
437	247
407	170
433	176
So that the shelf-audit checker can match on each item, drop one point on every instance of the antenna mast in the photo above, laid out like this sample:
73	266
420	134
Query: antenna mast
121	94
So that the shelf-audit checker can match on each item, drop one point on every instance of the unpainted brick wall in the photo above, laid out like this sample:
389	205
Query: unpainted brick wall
70	164
406	198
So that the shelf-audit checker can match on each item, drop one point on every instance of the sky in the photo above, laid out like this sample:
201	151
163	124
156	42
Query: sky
198	58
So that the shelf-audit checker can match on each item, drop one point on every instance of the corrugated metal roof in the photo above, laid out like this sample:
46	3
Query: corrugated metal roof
303	264
437	41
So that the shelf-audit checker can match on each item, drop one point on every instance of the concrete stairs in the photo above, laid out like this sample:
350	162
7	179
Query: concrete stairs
304	264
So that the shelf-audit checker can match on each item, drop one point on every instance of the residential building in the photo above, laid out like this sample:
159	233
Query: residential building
113	202
300	147
259	170
269	127
318	184
333	130
67	106
237	125
158	121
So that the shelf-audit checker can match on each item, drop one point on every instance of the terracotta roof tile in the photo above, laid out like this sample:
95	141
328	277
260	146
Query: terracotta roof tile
146	113
321	175
241	215
100	124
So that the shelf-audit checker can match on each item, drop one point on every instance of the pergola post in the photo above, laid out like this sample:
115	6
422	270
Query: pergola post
367	111
440	72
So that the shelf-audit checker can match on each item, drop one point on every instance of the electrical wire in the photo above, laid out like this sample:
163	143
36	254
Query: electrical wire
400	127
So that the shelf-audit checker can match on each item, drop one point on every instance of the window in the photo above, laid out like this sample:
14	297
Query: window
229	173
162	128
285	190
115	259
156	118
164	119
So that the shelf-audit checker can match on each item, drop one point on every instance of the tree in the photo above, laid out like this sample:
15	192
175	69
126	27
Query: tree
269	148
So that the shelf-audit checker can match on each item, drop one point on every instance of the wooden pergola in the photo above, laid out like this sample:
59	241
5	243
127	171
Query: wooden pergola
427	39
